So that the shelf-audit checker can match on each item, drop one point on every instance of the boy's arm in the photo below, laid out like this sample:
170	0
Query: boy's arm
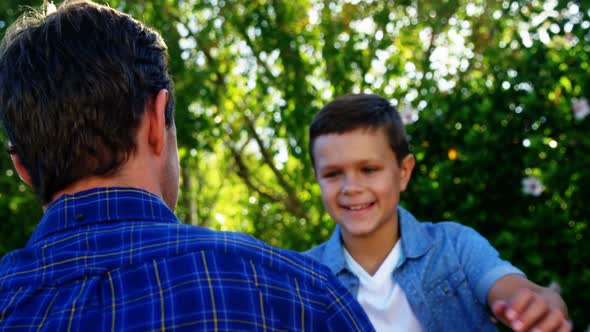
525	306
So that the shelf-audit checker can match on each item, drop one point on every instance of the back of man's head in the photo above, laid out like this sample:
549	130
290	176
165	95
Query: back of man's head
73	86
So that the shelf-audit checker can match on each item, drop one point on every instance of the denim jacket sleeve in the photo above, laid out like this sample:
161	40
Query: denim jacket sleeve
446	273
481	262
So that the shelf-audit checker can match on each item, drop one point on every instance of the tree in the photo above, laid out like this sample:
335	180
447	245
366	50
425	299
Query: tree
488	90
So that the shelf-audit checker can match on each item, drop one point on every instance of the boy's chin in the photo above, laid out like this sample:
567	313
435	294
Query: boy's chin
358	229
367	229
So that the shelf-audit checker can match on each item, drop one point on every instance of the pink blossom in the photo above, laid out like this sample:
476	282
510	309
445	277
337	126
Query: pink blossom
532	186
580	108
408	114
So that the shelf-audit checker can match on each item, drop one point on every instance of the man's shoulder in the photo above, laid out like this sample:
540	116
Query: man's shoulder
234	273
124	245
245	248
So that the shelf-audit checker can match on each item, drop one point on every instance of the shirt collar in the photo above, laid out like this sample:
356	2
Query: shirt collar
333	255
415	240
101	205
415	243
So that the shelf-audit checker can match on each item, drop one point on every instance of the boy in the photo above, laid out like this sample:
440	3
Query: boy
409	276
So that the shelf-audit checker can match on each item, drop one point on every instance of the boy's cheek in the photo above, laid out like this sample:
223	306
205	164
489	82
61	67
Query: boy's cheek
324	189
326	202
329	204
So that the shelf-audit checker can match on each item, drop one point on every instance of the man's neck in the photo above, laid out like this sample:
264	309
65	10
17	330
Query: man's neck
370	251
118	180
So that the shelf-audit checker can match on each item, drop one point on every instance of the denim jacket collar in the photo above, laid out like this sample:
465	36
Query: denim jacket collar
415	240
415	243
333	255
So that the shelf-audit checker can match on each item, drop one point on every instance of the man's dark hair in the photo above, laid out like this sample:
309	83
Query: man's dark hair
73	86
354	111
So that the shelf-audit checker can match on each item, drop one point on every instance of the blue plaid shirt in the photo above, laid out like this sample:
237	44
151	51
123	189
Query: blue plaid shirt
113	259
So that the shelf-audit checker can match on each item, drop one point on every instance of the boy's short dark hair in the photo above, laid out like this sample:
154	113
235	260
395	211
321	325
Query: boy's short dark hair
354	111
73	86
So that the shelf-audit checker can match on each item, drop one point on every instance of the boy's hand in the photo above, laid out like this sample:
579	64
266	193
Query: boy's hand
529	311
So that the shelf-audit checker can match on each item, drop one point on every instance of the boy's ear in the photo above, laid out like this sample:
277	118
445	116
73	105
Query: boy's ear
21	170
157	121
406	168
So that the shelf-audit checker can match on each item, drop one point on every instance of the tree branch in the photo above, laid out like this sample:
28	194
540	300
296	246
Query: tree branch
244	173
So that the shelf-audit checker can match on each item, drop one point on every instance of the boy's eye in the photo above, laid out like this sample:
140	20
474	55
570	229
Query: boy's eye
331	174
369	169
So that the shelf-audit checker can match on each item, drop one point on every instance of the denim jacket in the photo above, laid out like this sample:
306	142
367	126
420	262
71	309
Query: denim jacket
446	270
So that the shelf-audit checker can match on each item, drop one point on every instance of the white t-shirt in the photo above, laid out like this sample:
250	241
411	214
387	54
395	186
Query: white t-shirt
383	300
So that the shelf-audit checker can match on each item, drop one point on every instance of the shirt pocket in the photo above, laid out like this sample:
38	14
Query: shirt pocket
454	305
447	287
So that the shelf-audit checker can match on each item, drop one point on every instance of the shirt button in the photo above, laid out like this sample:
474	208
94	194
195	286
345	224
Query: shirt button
79	217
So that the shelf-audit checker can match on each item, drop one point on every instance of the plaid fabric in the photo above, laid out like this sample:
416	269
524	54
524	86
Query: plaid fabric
113	259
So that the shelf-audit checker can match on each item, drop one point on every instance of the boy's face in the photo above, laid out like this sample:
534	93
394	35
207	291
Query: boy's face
360	180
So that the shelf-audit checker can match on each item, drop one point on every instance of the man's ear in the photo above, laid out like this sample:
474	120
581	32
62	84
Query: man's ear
405	173
20	169
157	121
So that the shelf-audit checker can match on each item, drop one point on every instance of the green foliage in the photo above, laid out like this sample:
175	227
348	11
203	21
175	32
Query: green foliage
19	209
492	85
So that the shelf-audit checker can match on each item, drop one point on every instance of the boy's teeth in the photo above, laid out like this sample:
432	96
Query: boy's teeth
358	207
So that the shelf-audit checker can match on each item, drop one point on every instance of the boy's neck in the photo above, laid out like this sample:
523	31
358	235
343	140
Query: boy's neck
370	251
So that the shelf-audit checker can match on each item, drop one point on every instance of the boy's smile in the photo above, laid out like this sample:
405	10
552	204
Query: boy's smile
357	210
360	179
358	207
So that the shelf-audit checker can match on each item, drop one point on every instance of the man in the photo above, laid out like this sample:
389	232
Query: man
87	105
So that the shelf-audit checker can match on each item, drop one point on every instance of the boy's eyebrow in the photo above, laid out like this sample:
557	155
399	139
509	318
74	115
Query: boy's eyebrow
354	162
326	167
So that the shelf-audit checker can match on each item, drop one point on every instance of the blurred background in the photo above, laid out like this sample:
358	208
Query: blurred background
494	95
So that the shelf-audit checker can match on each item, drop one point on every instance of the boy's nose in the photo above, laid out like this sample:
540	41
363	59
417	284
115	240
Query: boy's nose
351	186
